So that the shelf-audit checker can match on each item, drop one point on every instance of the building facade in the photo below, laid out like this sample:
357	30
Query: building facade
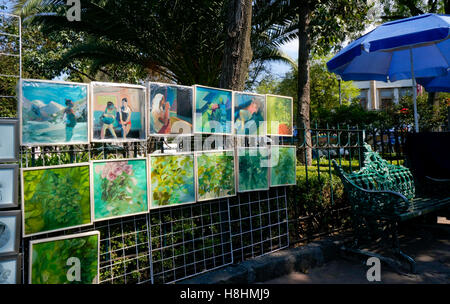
378	95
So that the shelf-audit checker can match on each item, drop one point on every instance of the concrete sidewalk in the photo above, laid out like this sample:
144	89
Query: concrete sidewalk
428	245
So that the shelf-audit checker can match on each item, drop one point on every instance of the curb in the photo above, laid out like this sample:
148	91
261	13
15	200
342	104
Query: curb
272	265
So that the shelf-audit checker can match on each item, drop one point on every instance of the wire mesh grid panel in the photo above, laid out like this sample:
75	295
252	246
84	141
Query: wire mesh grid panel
124	250
259	223
177	242
190	239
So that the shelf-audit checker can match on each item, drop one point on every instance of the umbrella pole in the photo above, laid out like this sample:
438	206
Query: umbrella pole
413	79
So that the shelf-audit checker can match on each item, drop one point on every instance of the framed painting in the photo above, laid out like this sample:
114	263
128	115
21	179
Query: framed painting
283	169
53	113
9	232
69	259
280	120
253	168
215	174
55	198
118	112
249	114
172	178
213	111
9	186
171	109
11	269
118	188
9	141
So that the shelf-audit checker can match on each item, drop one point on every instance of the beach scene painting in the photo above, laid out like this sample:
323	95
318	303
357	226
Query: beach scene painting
53	113
119	188
213	110
70	259
118	112
279	115
55	198
249	114
170	109
172	179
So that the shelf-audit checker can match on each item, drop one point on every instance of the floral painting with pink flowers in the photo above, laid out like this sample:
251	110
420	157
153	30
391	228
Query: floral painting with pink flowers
119	188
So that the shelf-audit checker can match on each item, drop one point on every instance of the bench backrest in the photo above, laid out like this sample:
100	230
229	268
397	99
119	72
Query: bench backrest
378	174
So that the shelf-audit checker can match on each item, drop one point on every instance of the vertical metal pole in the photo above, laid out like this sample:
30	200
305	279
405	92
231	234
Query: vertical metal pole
413	79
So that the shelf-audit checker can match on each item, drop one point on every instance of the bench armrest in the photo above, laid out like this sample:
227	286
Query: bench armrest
439	180
384	203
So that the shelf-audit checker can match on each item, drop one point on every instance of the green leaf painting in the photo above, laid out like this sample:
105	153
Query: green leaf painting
253	169
213	110
283	164
120	188
172	179
279	115
56	198
215	175
69	260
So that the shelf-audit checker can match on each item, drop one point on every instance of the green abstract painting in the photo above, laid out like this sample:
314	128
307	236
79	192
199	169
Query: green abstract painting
279	115
55	198
71	259
172	179
253	169
216	176
119	188
283	162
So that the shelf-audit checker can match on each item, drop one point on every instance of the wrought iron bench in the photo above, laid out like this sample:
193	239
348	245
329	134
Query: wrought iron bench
381	196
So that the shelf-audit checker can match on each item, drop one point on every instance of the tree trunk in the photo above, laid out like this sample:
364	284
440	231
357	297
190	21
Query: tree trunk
303	108
238	52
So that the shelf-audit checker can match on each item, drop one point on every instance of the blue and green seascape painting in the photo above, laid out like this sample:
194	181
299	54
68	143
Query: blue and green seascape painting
54	113
213	110
120	188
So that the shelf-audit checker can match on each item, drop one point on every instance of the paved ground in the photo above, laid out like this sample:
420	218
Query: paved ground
429	246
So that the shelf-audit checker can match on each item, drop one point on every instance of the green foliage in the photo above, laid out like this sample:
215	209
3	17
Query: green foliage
169	38
49	260
215	175
253	169
172	180
325	87
56	198
283	162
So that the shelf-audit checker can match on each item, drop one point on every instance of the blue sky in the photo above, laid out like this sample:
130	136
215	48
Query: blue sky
278	68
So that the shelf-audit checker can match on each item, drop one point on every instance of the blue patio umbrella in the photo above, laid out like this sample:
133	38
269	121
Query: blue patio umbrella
416	47
436	84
